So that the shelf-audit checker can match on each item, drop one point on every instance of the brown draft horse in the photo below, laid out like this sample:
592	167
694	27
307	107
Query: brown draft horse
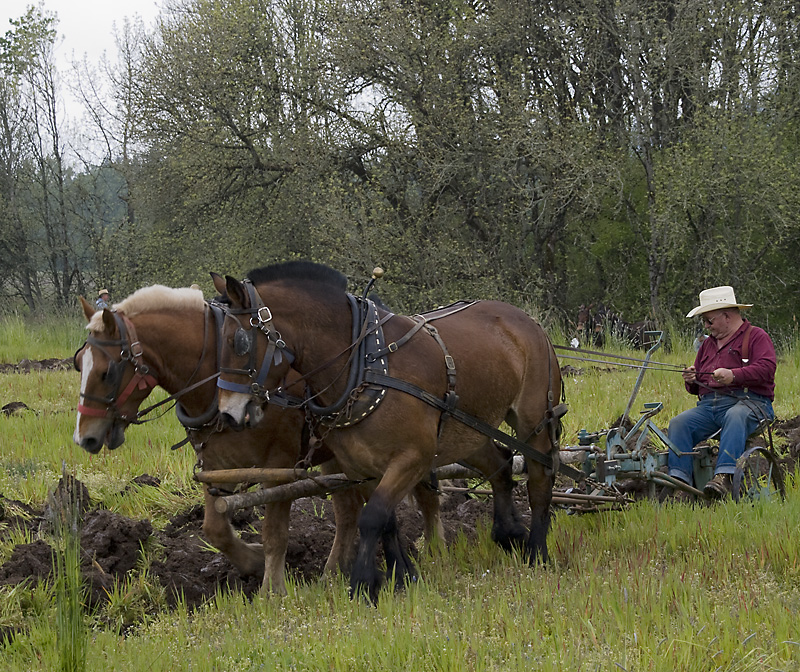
505	369
179	339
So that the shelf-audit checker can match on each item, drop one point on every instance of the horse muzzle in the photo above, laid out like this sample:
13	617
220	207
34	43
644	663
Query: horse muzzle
243	417
111	436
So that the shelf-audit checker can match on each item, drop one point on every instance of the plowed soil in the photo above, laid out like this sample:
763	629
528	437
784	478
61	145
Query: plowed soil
184	565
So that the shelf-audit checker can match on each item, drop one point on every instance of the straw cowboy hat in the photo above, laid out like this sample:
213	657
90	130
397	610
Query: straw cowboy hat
102	291
717	298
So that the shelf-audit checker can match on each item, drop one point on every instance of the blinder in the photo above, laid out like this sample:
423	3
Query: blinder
113	375
75	358
243	341
244	345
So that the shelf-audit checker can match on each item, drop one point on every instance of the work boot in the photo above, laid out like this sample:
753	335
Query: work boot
718	487
682	496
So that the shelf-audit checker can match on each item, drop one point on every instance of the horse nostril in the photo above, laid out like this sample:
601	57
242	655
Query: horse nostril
91	445
230	421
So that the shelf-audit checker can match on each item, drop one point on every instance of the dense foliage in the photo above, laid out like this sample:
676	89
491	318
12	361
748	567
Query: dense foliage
553	154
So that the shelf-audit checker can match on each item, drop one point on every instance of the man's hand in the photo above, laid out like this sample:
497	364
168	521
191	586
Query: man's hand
723	376
689	374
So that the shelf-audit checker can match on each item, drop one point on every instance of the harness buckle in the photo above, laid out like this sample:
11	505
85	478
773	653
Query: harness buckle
261	312
135	349
259	391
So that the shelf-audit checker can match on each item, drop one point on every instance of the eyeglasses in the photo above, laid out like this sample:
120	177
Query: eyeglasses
709	321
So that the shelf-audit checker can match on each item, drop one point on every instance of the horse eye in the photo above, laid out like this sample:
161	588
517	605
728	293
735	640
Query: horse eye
242	342
113	374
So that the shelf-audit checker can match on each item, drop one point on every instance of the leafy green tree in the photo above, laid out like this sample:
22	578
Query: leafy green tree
19	49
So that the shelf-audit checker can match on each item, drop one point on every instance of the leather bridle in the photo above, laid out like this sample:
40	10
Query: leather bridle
244	344
130	354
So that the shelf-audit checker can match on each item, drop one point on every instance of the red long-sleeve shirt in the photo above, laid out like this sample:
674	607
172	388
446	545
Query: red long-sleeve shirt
757	374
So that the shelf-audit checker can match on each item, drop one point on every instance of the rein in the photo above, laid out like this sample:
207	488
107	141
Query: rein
660	366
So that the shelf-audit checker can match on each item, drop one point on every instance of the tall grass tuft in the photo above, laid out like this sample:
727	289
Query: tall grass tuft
72	635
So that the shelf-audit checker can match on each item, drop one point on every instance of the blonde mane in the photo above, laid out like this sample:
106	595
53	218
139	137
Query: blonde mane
155	297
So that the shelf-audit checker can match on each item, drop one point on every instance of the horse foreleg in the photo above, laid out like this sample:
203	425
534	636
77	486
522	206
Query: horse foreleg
247	558
398	563
275	535
378	523
365	579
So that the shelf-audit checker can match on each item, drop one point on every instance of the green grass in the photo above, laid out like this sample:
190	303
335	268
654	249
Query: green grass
650	588
660	588
40	338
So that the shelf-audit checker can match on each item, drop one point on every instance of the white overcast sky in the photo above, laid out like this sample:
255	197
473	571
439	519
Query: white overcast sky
87	26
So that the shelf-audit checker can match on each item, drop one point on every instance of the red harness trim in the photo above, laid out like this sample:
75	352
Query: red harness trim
94	412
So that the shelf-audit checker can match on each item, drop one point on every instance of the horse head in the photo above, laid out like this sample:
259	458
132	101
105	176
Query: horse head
114	379
118	368
256	358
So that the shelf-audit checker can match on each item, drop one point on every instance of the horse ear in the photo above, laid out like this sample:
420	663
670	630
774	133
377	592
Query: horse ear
236	292
219	283
88	308
109	322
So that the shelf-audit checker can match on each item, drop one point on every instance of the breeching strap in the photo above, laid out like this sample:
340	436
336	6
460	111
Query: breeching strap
473	422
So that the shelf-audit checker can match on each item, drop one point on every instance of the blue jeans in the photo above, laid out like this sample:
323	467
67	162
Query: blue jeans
737	414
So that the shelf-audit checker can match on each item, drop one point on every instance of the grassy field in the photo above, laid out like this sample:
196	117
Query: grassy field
655	587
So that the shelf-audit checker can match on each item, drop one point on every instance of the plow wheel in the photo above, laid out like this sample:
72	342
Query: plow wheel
757	476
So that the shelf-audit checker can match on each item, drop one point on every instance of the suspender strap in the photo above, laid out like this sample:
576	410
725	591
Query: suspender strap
746	344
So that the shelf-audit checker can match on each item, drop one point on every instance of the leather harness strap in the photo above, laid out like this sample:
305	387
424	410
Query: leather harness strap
477	424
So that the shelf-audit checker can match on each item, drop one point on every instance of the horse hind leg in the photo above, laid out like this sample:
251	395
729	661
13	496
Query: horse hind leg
495	462
540	494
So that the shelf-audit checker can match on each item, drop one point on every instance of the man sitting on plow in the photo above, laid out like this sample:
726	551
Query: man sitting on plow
734	377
